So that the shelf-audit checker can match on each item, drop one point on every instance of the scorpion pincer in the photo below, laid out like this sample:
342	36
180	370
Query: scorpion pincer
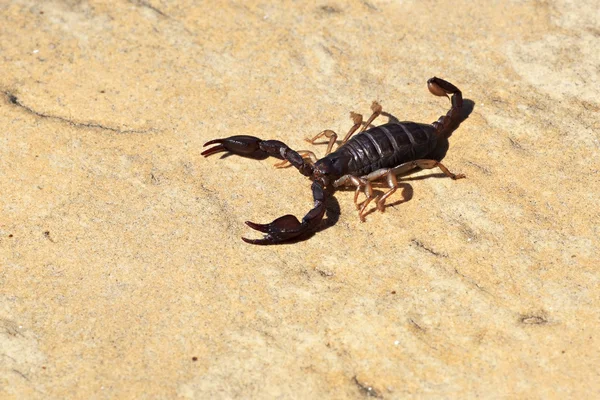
384	151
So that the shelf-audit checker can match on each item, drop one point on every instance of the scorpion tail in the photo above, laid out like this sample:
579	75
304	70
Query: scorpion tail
288	227
440	87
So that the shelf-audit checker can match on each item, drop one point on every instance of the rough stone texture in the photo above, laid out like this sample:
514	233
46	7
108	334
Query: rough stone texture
121	269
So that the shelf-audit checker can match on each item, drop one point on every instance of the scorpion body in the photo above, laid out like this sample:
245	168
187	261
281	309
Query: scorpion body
384	151
386	146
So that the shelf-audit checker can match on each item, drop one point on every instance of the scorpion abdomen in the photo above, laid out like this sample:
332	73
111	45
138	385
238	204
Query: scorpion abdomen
387	146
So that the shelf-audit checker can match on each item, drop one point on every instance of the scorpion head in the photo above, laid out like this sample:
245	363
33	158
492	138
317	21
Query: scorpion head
328	169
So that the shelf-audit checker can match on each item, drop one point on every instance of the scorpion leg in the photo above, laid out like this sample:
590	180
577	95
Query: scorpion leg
440	87
377	110
392	181
357	119
329	134
288	227
425	164
403	168
332	136
253	147
360	183
392	184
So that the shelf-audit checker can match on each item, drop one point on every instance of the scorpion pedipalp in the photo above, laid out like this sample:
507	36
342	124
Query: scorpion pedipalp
242	145
253	147
288	227
282	229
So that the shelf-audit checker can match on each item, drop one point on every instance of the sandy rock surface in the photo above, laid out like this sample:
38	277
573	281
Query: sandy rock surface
122	272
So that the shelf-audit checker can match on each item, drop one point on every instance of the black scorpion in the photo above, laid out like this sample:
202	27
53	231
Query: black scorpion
384	151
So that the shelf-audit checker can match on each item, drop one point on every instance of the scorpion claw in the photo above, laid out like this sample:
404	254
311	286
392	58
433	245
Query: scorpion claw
215	149
257	241
288	227
282	229
242	145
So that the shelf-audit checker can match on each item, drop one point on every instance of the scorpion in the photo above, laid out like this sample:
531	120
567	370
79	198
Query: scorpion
385	151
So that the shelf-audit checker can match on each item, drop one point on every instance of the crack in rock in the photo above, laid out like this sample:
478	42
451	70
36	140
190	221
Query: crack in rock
533	319
78	124
428	249
145	4
366	389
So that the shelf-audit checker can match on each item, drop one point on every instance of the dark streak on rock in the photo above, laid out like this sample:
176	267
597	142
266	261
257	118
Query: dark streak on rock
370	6
330	9
420	244
589	106
47	236
10	328
153	179
9	357
324	273
226	211
471	281
16	371
142	3
366	389
419	327
515	144
468	231
12	99
484	169
533	319
326	50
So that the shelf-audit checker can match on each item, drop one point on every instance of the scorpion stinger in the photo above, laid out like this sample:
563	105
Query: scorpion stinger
440	87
